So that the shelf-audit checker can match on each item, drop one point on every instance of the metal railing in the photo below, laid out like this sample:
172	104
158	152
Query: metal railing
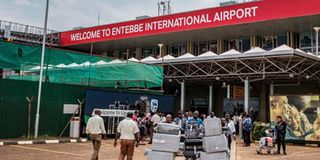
27	33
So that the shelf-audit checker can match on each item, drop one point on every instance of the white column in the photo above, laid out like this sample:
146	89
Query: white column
228	91
271	89
246	96
317	40
182	96
210	99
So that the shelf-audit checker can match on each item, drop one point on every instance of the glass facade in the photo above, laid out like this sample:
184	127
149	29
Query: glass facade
307	41
282	39
177	50
123	53
150	51
202	47
304	40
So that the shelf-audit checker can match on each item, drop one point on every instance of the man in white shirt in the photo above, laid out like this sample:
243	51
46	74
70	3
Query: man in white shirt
231	131
95	128
155	119
211	115
128	132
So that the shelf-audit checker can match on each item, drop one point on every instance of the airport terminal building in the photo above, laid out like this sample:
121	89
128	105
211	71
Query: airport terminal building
223	59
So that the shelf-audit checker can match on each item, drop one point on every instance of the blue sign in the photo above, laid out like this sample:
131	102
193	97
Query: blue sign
124	100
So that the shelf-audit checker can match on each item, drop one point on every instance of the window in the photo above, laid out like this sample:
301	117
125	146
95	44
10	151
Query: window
282	39
234	44
245	44
213	47
177	50
267	42
306	41
203	47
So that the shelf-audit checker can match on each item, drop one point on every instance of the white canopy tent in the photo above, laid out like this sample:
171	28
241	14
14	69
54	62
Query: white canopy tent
231	54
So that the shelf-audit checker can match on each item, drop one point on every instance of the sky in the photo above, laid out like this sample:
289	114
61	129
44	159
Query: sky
66	14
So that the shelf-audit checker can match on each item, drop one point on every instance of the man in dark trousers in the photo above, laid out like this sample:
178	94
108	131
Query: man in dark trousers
247	125
281	134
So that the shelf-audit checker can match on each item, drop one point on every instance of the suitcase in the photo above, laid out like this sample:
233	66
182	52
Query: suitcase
212	127
215	144
166	128
214	156
155	155
165	142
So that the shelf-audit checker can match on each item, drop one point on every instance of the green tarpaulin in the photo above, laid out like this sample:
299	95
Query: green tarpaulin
20	57
120	74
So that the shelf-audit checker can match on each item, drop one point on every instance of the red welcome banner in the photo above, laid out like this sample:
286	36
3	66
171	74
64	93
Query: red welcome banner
206	18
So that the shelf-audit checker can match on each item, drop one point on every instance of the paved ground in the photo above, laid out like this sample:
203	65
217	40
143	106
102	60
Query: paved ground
82	151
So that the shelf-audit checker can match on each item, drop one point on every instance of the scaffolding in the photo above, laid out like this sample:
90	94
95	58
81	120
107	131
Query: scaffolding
27	33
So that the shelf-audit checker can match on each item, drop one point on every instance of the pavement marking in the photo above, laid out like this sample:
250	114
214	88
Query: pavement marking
52	141
1	143
51	151
25	142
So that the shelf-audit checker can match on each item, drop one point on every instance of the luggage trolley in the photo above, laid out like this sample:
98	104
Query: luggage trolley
268	143
193	141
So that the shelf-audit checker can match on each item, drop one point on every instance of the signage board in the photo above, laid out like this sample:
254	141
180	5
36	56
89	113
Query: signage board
258	11
70	108
114	112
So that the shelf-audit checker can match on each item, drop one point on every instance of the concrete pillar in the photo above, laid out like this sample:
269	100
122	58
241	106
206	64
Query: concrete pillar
165	50
182	96
288	38
138	53
220	48
116	53
190	47
210	109
246	96
271	89
253	41
263	103
228	91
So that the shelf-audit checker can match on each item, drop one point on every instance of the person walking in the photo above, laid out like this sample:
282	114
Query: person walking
155	119
231	131
247	125
95	128
281	134
128	132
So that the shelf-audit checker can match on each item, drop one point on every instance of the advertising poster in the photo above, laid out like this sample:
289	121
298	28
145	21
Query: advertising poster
301	113
127	101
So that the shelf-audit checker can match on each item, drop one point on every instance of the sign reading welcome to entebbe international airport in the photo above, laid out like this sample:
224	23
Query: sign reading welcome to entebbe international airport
213	17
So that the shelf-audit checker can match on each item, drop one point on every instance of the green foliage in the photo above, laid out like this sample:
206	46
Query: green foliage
259	130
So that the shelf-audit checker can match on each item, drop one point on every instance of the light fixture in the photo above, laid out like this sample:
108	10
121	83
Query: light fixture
307	76
291	75
217	78
224	85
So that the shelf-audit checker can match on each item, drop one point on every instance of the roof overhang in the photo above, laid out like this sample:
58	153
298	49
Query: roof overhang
282	63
